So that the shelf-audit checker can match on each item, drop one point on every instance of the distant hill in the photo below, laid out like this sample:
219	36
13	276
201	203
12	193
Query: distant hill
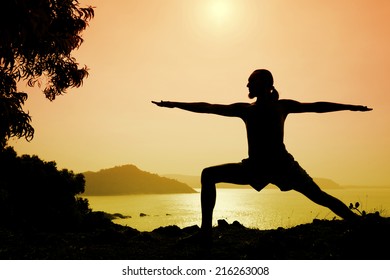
128	179
194	182
327	183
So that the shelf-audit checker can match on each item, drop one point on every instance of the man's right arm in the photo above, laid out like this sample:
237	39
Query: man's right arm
231	110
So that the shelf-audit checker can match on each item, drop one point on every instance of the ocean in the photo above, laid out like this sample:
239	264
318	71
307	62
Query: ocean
268	209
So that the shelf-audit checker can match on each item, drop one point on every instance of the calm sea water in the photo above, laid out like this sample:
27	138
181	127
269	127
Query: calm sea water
267	209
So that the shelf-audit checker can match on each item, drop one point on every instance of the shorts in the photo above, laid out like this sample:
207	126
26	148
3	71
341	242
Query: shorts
284	172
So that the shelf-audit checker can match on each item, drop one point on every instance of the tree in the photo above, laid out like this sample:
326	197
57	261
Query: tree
35	193
36	43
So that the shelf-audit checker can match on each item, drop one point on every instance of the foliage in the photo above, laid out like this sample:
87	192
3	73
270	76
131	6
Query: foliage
35	193
36	43
14	122
356	207
362	213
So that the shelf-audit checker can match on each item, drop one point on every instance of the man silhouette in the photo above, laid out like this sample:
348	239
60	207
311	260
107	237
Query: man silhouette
268	161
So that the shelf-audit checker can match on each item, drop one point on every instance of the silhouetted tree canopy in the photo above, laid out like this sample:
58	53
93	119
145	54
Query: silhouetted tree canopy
36	41
35	193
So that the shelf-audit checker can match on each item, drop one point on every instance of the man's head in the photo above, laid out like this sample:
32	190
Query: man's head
261	85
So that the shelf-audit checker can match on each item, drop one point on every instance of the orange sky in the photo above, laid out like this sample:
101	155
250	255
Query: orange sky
204	50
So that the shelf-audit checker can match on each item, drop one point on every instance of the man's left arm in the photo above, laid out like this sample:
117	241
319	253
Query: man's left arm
322	107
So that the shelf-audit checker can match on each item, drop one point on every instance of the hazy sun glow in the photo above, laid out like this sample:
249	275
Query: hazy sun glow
220	11
217	17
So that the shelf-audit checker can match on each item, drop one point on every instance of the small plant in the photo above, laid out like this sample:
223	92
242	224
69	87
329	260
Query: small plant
356	207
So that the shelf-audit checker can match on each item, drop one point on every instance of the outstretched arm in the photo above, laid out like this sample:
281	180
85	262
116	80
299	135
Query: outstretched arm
231	110
323	107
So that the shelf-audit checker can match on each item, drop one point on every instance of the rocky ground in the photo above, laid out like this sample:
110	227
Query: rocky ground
366	239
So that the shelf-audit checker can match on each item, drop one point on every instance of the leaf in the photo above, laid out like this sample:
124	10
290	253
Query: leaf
357	204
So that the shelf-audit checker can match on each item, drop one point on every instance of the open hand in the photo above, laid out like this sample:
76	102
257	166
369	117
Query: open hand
166	104
361	108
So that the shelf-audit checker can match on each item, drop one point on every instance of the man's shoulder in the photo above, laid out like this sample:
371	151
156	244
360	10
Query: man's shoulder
288	101
241	105
244	104
292	106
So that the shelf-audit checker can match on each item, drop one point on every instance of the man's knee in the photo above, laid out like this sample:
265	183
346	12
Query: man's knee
228	173
207	176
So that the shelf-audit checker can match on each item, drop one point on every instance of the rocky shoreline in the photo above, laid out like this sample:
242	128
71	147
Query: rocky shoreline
367	239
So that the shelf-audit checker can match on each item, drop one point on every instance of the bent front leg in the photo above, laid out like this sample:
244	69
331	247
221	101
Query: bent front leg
226	173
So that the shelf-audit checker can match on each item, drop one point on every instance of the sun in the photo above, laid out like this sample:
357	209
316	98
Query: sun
220	21
220	11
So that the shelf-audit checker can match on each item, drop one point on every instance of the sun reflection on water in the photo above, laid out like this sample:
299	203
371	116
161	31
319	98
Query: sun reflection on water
268	209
